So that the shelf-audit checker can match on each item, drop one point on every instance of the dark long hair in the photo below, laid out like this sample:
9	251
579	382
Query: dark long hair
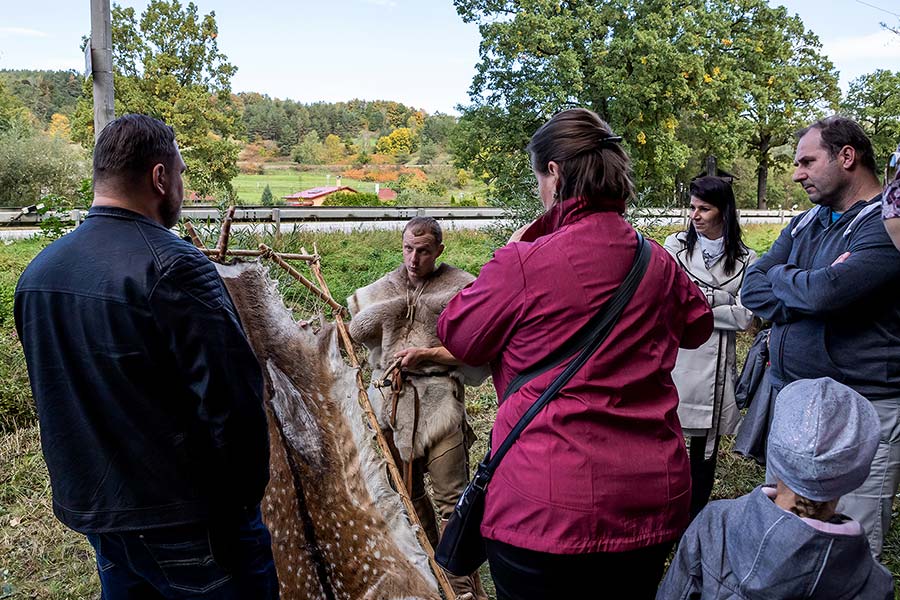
592	164
717	191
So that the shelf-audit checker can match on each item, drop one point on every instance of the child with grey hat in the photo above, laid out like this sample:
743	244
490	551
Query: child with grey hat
786	540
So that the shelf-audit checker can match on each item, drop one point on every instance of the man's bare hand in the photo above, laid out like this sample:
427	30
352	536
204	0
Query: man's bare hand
841	258
411	357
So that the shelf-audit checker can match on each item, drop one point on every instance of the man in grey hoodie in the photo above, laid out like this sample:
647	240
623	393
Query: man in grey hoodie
786	540
831	287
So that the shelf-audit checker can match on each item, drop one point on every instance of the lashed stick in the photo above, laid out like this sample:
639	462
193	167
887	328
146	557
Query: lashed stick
194	237
222	246
284	255
366	405
268	253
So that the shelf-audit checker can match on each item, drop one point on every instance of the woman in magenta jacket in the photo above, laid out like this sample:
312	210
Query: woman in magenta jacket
590	499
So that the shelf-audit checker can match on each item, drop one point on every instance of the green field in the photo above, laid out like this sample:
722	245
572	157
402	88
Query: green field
288	181
284	180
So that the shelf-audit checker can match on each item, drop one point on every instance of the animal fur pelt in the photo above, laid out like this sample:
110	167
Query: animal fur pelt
338	530
380	322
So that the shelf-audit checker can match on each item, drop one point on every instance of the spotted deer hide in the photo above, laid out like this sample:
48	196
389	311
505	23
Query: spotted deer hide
338	530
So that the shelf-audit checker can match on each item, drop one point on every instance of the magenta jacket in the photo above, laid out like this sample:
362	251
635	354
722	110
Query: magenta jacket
603	467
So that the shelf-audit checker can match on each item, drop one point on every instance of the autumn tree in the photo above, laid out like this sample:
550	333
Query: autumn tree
168	65
401	141
332	149
309	150
59	126
639	65
873	100
678	80
44	93
787	83
11	109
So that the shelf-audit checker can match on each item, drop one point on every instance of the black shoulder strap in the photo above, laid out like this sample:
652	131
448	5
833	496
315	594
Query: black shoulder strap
581	337
588	339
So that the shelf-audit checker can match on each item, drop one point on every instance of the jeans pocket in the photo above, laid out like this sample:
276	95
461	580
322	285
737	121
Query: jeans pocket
186	561
103	563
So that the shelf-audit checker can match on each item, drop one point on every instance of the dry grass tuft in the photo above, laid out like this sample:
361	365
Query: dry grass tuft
41	558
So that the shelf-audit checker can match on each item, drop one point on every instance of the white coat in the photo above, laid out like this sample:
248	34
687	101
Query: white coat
705	377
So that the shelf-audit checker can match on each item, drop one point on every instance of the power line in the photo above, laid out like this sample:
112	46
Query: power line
884	10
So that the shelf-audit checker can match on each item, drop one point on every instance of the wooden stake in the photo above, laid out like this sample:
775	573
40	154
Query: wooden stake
194	237
268	253
366	405
222	246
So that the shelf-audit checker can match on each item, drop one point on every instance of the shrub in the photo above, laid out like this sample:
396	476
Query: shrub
351	199
32	166
436	188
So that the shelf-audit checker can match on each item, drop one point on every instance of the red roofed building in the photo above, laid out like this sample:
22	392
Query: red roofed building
315	196
386	194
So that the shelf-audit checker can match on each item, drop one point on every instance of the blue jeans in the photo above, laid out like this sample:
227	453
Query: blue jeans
227	561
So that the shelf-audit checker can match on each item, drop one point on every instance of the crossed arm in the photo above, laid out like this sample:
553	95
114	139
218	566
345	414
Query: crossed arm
782	292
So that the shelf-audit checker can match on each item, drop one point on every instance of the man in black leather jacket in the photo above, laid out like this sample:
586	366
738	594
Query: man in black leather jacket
148	394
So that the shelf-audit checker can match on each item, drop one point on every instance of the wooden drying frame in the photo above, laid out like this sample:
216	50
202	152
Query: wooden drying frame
322	292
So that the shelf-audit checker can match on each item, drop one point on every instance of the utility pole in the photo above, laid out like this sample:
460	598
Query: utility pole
101	65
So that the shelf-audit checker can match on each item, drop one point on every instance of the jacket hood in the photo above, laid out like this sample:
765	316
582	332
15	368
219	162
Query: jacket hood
776	554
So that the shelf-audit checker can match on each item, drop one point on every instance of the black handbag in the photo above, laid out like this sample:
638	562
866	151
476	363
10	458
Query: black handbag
461	549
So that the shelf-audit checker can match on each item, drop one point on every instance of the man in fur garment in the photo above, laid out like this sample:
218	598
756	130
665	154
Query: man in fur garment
423	410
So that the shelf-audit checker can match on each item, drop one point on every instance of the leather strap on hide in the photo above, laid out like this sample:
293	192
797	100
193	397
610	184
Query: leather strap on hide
398	380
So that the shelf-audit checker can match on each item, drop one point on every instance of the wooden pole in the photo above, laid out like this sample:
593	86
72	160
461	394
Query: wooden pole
284	255
366	405
222	246
196	238
269	253
101	65
276	216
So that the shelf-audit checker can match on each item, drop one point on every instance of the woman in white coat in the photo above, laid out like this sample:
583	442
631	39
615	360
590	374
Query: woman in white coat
712	254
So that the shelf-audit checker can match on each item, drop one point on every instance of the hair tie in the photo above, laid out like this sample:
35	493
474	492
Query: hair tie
610	140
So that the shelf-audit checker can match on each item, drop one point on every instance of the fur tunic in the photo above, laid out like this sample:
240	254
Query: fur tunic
380	324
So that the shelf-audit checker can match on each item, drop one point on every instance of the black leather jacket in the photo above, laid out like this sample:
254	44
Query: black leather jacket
148	394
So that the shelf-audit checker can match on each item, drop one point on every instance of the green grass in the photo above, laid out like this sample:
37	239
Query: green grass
284	180
288	181
41	559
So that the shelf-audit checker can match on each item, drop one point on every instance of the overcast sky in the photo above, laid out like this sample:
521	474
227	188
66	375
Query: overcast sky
418	52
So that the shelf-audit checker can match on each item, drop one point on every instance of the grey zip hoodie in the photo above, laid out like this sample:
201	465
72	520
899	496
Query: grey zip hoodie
751	549
840	321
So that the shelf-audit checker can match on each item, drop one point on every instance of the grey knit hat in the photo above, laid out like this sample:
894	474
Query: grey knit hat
823	438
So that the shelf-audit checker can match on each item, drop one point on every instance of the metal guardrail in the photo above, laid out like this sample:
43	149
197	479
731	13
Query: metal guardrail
277	215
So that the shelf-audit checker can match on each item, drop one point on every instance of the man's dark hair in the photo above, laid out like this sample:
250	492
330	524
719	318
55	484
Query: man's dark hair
130	146
837	132
425	226
592	164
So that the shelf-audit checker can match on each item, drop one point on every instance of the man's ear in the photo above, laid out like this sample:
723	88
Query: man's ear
440	250
847	156
160	178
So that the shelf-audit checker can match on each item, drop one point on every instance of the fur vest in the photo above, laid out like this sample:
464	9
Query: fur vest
380	323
